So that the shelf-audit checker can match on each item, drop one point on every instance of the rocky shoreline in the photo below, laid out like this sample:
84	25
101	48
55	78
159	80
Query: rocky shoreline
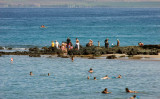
94	51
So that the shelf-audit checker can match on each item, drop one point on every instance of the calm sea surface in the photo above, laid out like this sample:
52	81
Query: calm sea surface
69	79
20	28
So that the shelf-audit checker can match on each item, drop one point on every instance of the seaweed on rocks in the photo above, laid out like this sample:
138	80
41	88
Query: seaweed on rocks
111	57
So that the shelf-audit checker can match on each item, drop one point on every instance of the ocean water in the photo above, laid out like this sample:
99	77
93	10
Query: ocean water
20	27
69	79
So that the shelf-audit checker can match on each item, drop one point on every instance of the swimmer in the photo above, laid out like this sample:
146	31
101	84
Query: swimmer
130	91
31	74
134	96
106	77
91	70
42	26
106	91
48	74
119	76
95	78
88	77
12	59
72	58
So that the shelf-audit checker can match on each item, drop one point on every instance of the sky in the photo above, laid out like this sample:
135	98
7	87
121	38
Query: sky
79	3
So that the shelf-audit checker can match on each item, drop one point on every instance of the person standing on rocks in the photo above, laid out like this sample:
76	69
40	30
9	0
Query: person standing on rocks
68	42
57	44
77	43
118	42
106	43
98	44
52	45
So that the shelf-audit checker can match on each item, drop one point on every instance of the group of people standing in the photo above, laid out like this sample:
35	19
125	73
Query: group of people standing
65	46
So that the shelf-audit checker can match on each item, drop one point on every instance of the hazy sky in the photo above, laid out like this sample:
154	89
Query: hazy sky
39	3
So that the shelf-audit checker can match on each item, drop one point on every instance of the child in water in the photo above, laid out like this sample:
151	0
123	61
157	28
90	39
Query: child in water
91	70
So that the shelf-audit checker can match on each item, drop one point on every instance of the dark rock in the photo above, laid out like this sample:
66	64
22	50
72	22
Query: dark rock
75	52
110	52
1	48
111	57
34	49
34	55
64	56
151	46
92	57
10	48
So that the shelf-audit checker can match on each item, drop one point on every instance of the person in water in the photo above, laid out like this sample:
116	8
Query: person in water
134	97
106	77
130	91
31	74
119	76
88	77
95	78
42	26
72	58
91	70
48	74
105	91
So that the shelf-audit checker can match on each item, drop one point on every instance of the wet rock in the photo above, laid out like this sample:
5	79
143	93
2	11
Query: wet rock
64	56
1	48
34	49
91	57
151	46
111	57
9	48
34	55
75	52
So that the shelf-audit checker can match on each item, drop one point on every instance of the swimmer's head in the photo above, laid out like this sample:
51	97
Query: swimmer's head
127	90
134	96
105	89
30	73
88	77
94	78
48	74
91	69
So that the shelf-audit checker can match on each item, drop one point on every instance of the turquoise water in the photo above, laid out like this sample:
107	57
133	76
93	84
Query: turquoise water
20	27
69	79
